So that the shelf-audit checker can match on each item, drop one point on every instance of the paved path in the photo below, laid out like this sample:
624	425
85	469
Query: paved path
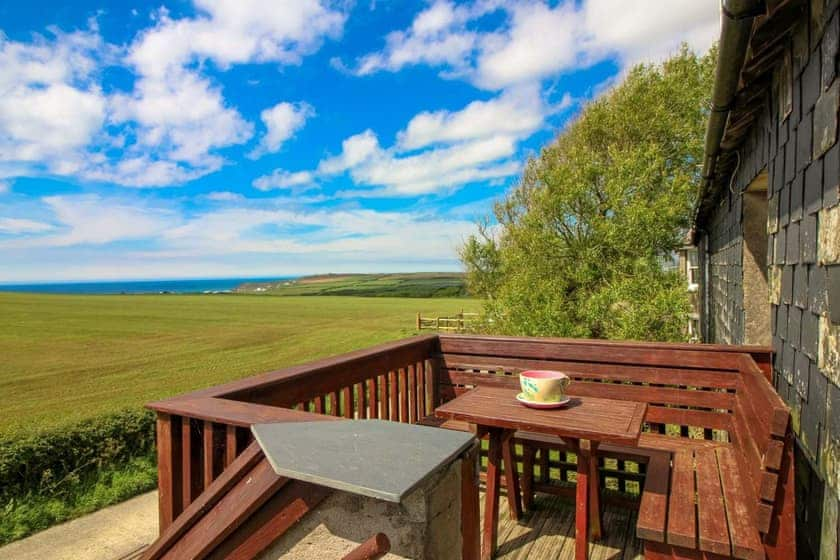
115	533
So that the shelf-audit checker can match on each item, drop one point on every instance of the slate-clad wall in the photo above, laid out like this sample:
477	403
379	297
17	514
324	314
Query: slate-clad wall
801	154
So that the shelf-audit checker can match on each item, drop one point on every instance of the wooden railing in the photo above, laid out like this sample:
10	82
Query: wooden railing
689	389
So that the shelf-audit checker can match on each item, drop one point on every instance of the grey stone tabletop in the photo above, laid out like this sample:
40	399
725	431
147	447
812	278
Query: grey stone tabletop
374	458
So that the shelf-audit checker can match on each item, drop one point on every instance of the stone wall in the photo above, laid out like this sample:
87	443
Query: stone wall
426	525
796	142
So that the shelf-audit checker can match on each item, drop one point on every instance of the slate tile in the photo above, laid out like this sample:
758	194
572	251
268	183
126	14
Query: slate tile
797	192
800	46
781	245
804	134
782	321
812	416
831	176
800	286
811	82
792	249
825	119
790	157
787	284
813	187
829	50
771	247
784	136
817	290
809	339
796	104
794	326
808	238
784	205
833	290
788	360
801	374
773	314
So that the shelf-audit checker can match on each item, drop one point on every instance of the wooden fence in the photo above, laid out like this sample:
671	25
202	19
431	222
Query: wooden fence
460	322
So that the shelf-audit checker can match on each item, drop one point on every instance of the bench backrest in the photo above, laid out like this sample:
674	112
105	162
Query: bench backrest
762	435
690	390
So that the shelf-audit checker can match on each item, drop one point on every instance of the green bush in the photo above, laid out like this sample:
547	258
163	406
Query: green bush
52	463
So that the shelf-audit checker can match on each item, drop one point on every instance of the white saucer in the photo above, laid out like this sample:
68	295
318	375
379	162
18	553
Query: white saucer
535	404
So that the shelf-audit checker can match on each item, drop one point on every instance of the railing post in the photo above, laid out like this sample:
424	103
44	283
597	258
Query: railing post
170	467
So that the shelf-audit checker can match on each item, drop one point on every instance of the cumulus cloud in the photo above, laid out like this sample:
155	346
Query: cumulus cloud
282	179
51	108
538	40
516	113
180	114
436	151
281	123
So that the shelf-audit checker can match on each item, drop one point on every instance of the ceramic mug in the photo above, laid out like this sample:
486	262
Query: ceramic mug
544	386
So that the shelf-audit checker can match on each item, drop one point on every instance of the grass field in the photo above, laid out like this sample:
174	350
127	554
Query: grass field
415	285
68	358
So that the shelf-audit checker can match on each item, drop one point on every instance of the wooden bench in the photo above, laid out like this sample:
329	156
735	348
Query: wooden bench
718	453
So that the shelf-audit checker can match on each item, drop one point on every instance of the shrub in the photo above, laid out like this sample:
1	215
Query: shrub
50	463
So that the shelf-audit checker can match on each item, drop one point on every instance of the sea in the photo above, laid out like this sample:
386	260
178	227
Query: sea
194	286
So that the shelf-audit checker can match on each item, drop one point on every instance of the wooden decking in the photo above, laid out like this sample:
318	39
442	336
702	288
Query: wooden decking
549	532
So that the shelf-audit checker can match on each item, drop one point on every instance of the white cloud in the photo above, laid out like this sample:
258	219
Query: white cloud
223	196
18	226
281	122
51	109
282	179
181	116
539	41
436	37
436	151
354	150
440	168
93	219
5	186
517	113
105	237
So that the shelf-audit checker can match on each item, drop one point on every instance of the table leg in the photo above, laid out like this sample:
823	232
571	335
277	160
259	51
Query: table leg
595	529
528	452
491	498
511	476
588	498
582	501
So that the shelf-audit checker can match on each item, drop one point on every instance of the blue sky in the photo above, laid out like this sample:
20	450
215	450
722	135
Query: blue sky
257	138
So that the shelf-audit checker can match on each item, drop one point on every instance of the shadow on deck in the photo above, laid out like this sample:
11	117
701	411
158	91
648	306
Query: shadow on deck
549	532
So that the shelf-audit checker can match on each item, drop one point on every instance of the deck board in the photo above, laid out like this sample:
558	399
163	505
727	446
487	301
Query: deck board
549	532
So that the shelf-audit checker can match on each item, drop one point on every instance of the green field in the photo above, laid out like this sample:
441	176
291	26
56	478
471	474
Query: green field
415	285
68	358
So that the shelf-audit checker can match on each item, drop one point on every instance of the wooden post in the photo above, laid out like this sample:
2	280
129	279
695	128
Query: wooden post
169	469
418	321
491	499
470	509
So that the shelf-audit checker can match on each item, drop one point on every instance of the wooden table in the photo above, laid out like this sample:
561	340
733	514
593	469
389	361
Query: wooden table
583	424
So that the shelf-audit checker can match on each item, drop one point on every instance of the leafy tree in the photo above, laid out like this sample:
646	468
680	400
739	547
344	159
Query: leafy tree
580	241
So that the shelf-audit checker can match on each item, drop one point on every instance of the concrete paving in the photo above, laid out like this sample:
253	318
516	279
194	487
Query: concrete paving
119	532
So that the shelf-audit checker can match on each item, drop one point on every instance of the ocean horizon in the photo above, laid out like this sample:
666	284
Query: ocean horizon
111	287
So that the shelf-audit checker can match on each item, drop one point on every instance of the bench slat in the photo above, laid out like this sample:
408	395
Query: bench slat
746	542
648	374
653	508
681	515
711	513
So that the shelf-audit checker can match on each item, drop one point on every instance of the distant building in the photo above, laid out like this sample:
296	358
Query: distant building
768	227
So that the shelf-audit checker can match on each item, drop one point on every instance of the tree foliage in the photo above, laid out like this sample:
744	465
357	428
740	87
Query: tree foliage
580	241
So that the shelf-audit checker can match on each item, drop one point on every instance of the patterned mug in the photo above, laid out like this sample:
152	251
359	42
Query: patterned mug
544	386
